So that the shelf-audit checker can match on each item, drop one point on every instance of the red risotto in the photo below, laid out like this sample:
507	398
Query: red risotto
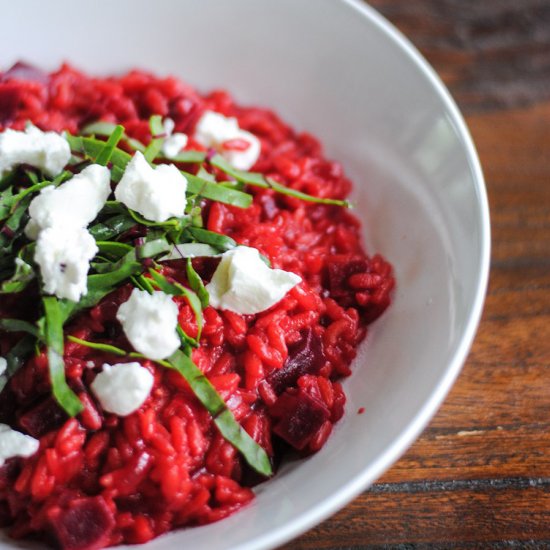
119	429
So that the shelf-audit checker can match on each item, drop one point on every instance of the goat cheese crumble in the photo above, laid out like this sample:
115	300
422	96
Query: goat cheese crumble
47	151
149	322
243	283
64	258
214	130
13	443
174	141
156	193
73	204
122	388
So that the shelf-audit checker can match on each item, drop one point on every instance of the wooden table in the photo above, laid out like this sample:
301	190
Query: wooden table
479	476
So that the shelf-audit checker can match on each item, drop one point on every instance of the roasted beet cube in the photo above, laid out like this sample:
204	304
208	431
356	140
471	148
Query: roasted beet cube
298	417
43	418
340	268
85	525
9	101
305	357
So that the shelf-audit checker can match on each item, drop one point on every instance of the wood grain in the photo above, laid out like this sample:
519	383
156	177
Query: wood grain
479	476
492	53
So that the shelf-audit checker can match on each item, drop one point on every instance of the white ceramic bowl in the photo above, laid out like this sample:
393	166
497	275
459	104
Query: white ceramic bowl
339	70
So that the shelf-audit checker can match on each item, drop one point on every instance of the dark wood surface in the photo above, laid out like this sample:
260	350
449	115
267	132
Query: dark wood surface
479	476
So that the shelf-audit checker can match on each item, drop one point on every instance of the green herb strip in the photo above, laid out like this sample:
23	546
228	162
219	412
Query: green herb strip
110	146
16	357
16	325
101	128
66	398
191	250
112	227
175	289
230	429
258	180
97	346
196	283
157	130
217	240
216	192
22	276
188	157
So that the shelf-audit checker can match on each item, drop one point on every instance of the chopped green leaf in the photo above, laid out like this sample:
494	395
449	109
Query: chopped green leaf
110	146
190	250
188	157
231	430
105	129
155	145
276	186
112	227
253	178
175	289
216	192
217	240
22	276
107	348
53	336
17	325
258	180
195	282
17	356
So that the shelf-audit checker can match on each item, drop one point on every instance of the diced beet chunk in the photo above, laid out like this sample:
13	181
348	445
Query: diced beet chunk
86	524
340	268
43	418
305	357
299	417
9	101
24	71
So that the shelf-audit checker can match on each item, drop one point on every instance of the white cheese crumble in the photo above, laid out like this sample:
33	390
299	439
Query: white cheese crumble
122	388
156	193
214	129
174	142
3	365
47	151
64	258
13	443
149	322
243	283
73	204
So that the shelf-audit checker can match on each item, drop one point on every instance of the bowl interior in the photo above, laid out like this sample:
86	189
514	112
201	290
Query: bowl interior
337	70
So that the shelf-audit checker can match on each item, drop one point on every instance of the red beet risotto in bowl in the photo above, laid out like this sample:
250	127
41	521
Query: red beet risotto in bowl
182	289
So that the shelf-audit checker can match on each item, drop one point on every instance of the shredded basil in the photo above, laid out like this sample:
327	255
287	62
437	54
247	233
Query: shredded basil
258	180
188	157
53	336
110	146
157	141
102	128
107	348
112	227
175	289
16	325
217	240
231	430
195	282
21	277
190	250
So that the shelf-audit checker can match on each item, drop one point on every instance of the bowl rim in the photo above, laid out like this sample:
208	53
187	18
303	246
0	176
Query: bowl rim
354	487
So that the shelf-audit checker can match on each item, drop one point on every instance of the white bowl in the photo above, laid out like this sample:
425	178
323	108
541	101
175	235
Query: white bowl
342	72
